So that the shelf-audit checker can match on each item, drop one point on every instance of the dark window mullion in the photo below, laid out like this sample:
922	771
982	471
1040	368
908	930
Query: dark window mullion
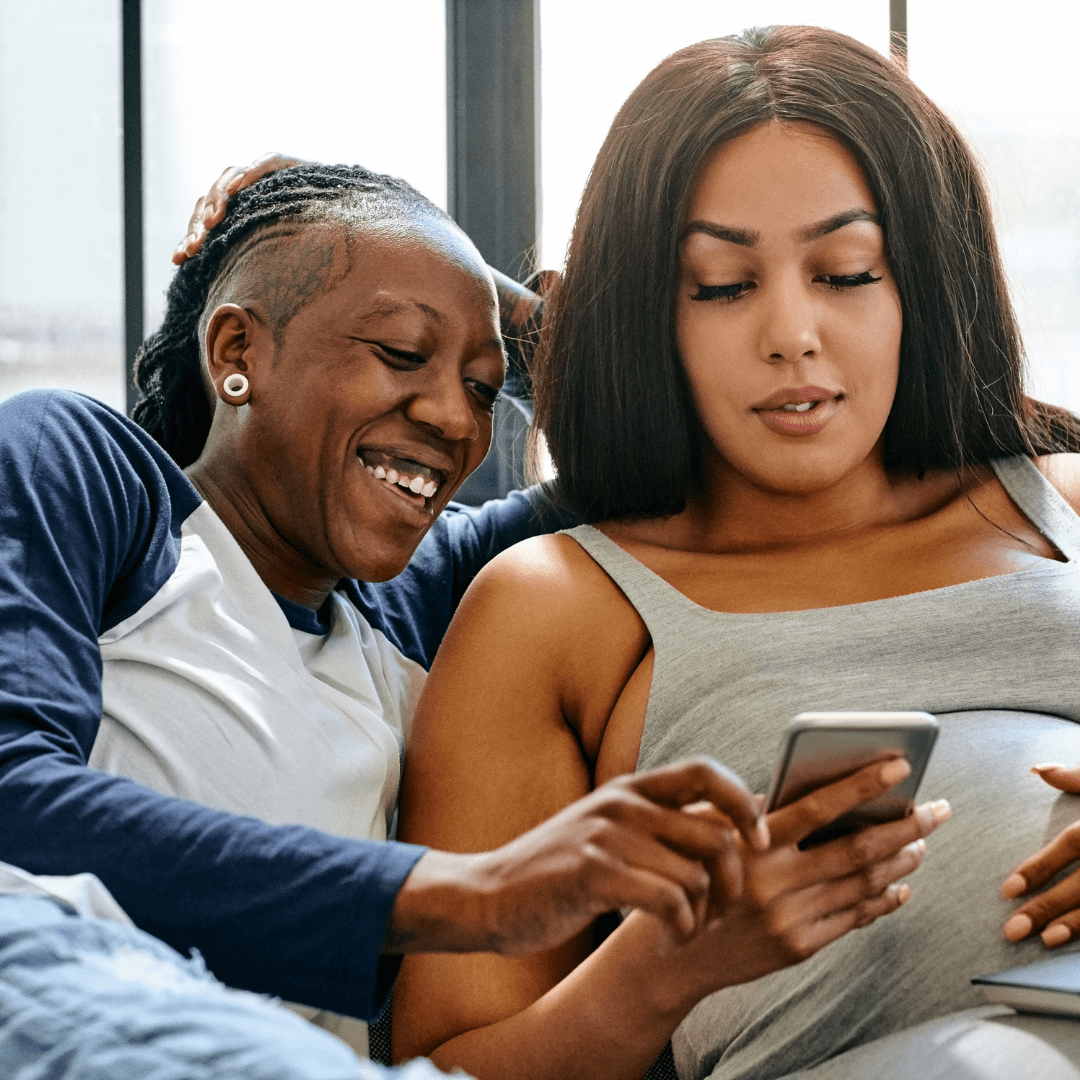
493	157
131	64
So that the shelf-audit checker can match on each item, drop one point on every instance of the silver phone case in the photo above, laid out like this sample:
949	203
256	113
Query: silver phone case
821	747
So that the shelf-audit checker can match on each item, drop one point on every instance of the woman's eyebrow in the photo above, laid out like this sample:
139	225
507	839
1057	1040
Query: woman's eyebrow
749	238
837	221
742	237
385	307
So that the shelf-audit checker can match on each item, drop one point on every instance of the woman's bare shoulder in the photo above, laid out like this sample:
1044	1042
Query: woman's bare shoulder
554	569
559	621
1063	471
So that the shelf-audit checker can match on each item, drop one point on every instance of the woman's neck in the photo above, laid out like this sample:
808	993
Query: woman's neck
283	569
729	512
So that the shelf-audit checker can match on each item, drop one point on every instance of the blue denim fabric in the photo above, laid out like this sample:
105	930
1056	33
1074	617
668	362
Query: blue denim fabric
85	999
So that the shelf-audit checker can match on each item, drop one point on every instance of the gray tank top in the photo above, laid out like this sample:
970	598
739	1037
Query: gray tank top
997	660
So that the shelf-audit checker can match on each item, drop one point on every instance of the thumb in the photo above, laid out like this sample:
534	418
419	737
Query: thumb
1063	777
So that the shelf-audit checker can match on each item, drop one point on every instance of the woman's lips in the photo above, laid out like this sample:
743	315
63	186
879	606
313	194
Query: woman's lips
791	422
796	395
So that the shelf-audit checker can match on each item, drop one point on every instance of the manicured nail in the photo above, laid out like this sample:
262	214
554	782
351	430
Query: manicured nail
903	894
1013	885
761	835
941	810
1057	934
895	771
1019	926
1050	766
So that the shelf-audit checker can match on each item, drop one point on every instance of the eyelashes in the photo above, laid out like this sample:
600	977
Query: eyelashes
721	292
850	281
839	282
404	357
488	395
485	394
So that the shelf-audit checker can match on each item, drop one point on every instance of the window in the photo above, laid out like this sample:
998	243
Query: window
1008	79
591	58
357	80
61	259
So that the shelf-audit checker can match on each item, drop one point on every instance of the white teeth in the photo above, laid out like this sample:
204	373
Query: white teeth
418	485
804	407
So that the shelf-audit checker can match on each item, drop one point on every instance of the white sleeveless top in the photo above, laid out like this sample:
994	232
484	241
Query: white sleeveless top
997	660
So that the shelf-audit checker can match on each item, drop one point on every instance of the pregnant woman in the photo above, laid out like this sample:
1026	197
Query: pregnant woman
783	382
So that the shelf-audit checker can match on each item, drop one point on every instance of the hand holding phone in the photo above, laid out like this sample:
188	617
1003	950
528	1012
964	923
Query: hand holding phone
820	748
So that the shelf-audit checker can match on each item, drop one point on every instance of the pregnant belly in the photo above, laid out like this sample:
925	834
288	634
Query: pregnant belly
916	963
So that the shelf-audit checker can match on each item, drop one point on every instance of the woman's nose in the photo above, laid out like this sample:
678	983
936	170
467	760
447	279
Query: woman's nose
790	329
444	406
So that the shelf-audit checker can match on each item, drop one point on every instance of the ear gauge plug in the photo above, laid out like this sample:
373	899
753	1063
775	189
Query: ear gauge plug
236	385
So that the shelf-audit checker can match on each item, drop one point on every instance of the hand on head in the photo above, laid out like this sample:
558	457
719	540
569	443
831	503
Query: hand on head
210	208
1054	914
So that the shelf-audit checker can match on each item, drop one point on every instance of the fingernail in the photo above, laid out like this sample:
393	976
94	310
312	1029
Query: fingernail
941	810
903	893
1013	885
1049	766
761	835
917	848
1057	934
895	771
1019	926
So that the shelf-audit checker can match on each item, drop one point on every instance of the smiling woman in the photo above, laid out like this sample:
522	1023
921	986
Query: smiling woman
204	691
395	363
367	329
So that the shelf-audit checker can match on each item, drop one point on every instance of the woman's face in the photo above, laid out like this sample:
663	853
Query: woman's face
787	319
375	403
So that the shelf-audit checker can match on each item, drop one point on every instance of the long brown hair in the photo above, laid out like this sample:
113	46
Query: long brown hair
612	398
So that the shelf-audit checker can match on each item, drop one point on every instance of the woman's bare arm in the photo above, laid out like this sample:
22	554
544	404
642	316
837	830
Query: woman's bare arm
495	750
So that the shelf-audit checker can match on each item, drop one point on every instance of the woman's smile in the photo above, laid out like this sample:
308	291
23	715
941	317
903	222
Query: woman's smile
366	413
404	476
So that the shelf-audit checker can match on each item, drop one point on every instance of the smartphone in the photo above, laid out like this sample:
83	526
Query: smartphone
821	747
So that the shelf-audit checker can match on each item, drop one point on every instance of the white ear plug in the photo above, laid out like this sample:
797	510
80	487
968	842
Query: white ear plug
236	385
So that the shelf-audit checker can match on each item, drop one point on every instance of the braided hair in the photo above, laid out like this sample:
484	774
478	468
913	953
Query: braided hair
175	407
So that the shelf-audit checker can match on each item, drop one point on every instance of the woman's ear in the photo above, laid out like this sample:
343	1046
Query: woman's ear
233	342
